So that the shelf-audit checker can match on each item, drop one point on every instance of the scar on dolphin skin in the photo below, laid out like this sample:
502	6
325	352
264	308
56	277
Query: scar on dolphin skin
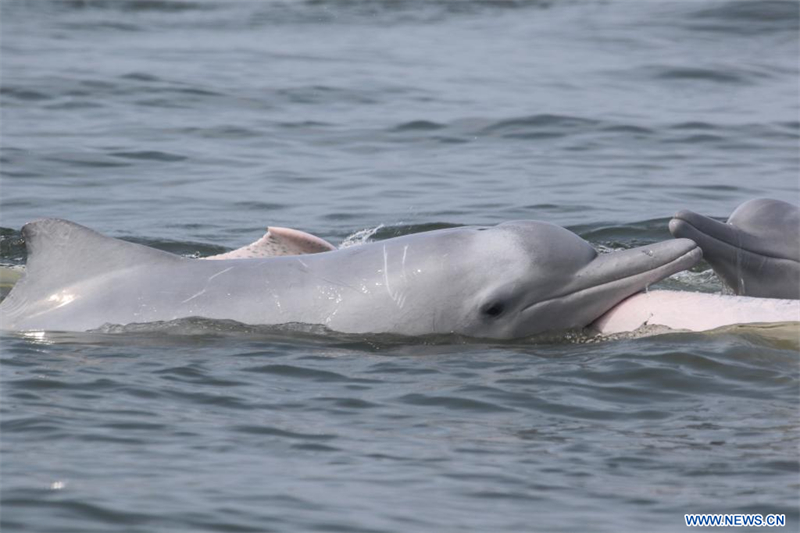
203	291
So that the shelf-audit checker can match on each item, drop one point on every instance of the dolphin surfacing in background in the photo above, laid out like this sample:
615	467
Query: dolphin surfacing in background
512	280
756	252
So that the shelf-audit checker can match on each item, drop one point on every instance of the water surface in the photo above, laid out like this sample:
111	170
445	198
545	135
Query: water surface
191	126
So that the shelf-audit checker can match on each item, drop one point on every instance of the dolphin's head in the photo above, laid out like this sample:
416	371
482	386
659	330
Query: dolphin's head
523	278
757	252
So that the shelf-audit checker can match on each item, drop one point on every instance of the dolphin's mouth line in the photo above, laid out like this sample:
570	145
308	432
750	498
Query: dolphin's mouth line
738	246
693	252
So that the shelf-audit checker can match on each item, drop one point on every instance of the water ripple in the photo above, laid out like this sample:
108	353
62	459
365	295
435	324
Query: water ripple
276	432
149	155
291	371
452	402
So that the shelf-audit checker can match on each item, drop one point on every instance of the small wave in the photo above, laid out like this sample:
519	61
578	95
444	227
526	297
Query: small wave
260	206
360	237
624	236
195	374
92	512
304	124
538	126
150	155
20	93
136	426
184	248
539	120
419	125
452	402
294	334
382	231
203	326
321	94
140	76
29	424
92	161
697	138
384	11
349	403
627	128
553	128
298	372
722	75
283	433
168	6
222	132
42	383
101	25
544	127
700	279
12	247
74	104
693	125
747	17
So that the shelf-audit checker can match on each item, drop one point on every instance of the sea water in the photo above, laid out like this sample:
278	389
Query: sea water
191	126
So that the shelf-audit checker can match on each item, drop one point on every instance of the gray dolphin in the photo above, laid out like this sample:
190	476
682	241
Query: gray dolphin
757	252
511	280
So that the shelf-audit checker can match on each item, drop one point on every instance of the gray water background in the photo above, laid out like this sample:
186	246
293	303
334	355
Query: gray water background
191	126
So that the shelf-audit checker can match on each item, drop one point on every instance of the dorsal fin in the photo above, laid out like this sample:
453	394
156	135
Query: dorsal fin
63	255
278	242
62	252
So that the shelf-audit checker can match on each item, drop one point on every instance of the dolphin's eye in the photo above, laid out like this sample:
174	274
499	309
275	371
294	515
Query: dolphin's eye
494	309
